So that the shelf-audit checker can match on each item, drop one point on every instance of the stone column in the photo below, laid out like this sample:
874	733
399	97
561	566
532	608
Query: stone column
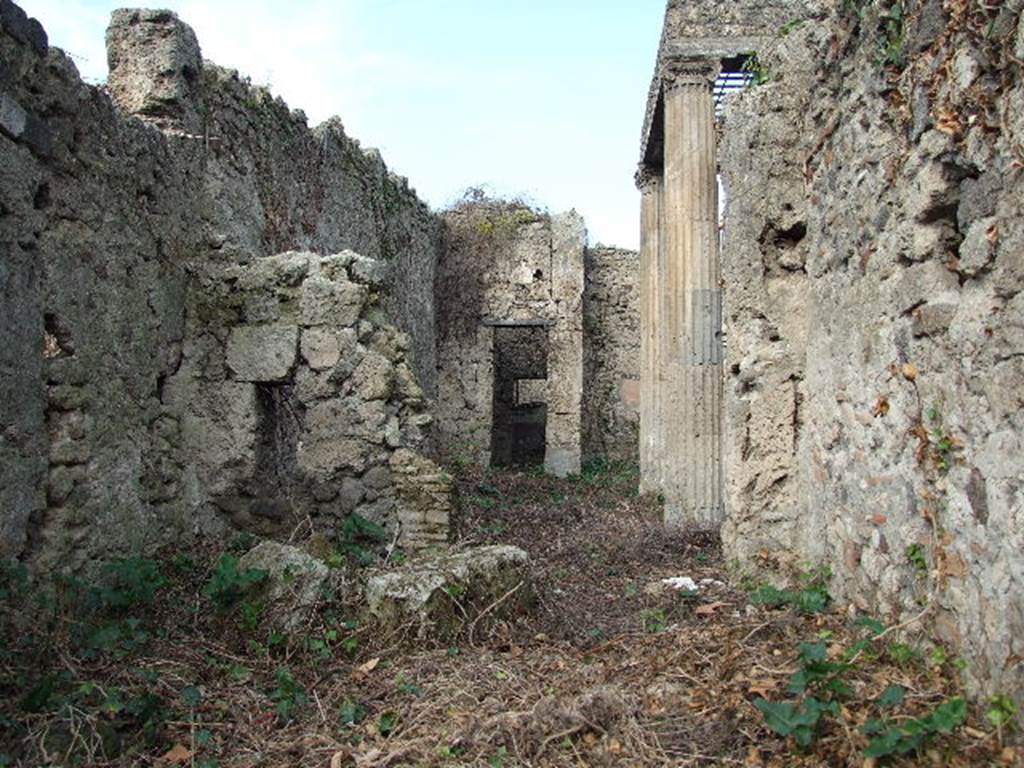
651	433
693	301
562	454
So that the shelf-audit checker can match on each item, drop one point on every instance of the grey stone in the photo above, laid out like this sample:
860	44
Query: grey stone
441	595
321	348
978	198
155	63
933	318
21	27
62	483
377	478
12	116
262	353
352	493
325	302
393	433
371	272
294	585
922	113
978	249
930	25
38	137
966	68
67	452
373	378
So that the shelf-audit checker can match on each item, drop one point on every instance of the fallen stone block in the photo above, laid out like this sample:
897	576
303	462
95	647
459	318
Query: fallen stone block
294	584
438	598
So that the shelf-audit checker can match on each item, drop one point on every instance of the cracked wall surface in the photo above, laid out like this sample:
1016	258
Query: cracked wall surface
875	354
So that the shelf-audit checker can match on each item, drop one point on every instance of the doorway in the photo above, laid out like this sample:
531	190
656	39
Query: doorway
520	405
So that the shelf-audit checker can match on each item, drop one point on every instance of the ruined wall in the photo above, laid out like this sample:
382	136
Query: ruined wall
504	264
875	325
270	183
100	215
293	397
611	354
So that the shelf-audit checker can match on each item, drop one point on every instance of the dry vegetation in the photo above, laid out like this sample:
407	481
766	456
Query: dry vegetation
611	668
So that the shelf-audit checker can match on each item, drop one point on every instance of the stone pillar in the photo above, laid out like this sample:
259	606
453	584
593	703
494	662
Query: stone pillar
563	452
651	432
155	64
692	312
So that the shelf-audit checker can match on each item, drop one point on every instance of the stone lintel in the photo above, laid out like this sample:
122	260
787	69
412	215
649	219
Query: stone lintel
714	48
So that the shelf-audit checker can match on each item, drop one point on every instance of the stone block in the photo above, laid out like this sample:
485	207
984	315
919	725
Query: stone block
12	116
262	353
374	378
442	595
922	283
321	348
932	195
933	318
155	62
324	456
978	198
325	302
70	452
370	272
351	495
294	584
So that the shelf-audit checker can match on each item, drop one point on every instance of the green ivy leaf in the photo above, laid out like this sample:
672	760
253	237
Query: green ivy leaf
892	696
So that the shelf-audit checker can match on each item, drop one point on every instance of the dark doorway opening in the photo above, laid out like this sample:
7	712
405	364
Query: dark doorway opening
519	416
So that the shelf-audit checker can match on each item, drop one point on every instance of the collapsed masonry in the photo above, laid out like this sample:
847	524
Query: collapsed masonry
219	319
865	412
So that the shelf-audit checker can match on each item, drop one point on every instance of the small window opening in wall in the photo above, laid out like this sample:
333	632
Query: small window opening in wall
519	414
57	341
738	72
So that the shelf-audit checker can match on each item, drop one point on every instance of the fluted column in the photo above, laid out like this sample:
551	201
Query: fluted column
650	185
651	432
692	312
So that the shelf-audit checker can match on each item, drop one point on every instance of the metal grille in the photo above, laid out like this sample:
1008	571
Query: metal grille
729	83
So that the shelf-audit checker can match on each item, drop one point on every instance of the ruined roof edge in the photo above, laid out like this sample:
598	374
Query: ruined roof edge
749	27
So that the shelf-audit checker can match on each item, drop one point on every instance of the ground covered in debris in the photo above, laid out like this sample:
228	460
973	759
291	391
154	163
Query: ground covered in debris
640	650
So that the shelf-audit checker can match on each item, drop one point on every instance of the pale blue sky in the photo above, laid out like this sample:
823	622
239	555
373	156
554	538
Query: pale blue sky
543	99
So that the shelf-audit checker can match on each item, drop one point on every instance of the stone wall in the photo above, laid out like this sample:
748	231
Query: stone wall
505	265
611	354
270	183
875	324
102	220
293	397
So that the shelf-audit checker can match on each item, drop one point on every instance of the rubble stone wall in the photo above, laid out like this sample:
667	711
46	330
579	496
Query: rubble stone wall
504	264
611	354
293	397
104	221
875	320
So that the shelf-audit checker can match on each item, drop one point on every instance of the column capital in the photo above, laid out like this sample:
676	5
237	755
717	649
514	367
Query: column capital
682	71
644	177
